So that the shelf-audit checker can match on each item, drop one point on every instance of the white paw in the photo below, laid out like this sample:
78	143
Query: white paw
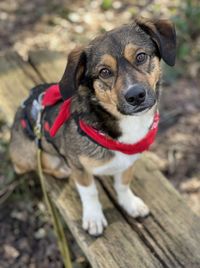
94	220
132	204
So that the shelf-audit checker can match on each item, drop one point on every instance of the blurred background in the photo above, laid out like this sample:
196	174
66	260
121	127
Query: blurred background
26	237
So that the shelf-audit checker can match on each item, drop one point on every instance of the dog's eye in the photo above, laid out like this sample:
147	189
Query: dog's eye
141	58
105	73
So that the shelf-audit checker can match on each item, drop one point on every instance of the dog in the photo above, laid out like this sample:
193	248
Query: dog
111	91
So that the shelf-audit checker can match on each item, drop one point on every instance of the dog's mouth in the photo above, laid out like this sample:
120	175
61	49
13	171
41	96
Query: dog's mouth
136	100
127	109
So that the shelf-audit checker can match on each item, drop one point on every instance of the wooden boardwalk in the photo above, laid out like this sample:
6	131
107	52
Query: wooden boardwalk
168	238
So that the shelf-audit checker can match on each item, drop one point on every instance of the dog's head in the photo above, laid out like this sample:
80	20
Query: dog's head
121	68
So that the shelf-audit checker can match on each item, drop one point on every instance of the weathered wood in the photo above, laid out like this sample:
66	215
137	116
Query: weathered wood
172	231
17	77
120	246
49	65
169	237
14	84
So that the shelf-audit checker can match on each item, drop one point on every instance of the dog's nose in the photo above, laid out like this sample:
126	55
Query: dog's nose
136	95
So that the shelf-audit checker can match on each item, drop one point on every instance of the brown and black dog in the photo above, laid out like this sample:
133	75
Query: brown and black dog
114	83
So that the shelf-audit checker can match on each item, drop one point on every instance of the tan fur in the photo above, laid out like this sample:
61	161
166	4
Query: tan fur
151	78
130	51
119	86
91	163
18	149
55	166
82	177
127	175
109	61
107	97
154	76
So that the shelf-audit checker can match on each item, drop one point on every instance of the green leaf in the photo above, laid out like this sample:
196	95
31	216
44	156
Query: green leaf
106	4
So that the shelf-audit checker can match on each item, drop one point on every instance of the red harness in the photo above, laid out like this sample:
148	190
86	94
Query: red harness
52	96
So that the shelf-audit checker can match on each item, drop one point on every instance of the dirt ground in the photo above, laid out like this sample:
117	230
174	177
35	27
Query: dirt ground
26	236
179	140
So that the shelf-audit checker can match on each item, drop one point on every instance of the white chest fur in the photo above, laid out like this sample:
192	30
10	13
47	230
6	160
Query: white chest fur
118	164
133	128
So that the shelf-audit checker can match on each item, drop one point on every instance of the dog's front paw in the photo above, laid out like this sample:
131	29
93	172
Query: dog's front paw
94	221
133	205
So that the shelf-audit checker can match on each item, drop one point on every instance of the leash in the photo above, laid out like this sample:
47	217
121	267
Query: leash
55	217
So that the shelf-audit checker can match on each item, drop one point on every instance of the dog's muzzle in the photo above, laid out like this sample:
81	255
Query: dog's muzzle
138	98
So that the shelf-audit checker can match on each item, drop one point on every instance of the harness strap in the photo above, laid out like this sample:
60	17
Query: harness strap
26	125
52	95
111	144
64	115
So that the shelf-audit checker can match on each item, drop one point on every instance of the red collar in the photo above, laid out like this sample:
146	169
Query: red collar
52	96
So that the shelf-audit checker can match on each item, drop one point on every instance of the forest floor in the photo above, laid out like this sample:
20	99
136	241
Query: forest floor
26	237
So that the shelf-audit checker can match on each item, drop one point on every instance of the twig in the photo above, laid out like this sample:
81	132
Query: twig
7	191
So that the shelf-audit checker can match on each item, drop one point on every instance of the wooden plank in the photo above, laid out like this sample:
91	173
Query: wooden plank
169	237
120	246
172	230
14	85
50	65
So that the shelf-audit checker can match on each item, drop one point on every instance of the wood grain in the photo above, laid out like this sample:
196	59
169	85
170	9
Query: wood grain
172	231
49	65
120	246
14	85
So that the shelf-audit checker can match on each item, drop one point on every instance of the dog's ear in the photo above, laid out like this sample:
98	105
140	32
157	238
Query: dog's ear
163	34
73	73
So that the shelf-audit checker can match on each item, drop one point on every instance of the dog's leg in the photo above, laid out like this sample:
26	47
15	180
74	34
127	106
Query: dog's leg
55	165
94	220
132	204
